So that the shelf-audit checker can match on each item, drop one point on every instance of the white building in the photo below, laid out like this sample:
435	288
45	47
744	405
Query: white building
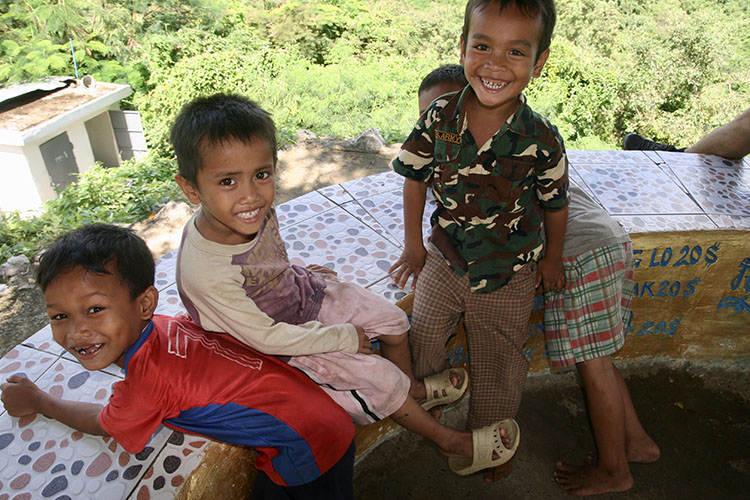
52	130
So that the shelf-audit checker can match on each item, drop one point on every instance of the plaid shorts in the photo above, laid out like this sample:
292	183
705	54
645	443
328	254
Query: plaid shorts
588	319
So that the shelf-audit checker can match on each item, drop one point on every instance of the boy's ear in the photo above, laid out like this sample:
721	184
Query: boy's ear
463	51
539	65
147	302
191	192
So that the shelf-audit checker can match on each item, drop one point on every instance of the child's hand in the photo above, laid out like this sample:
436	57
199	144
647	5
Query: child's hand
20	396
320	269
410	263
551	274
365	346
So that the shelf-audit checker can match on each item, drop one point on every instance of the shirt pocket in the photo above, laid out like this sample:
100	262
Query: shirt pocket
508	177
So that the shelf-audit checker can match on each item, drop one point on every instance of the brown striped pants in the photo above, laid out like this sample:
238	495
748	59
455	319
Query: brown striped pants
496	330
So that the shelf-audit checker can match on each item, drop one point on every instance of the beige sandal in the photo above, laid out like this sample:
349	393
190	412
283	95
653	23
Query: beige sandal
440	384
487	441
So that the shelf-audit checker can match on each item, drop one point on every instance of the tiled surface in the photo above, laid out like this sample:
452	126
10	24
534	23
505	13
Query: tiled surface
355	228
651	223
302	208
718	190
340	241
43	341
682	159
637	188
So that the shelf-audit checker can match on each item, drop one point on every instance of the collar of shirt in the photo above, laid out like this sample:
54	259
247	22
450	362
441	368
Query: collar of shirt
521	122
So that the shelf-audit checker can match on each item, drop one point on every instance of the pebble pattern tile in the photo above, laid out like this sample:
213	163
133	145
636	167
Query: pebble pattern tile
338	240
384	288
165	270
388	209
718	190
640	188
43	341
22	360
169	302
373	184
731	221
681	159
306	206
336	193
355	228
655	223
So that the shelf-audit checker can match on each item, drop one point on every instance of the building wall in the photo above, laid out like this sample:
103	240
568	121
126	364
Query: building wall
26	182
18	189
81	145
102	139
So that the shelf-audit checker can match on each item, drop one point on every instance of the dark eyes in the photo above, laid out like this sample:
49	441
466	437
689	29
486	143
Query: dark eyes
226	182
262	175
514	52
61	316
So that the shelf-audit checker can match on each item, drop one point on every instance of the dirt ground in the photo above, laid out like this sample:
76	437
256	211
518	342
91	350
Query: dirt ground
699	414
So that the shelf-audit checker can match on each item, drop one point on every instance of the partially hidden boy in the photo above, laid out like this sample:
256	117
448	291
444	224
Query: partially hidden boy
98	285
499	174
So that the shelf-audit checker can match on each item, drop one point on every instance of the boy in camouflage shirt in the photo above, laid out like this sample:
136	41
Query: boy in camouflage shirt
499	174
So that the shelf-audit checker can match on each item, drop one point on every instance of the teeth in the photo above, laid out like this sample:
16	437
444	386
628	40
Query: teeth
493	85
248	215
88	349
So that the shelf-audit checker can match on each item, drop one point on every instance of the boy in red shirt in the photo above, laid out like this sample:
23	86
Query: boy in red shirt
98	285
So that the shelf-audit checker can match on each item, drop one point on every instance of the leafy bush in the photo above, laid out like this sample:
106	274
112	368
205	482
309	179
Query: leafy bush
121	195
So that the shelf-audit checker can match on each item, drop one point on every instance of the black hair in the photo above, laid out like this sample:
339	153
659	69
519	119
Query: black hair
545	9
100	249
212	120
447	73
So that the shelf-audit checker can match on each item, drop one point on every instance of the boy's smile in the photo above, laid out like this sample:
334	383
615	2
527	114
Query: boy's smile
93	317
500	56
235	188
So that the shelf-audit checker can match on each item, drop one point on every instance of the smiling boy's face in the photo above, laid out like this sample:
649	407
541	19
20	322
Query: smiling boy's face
499	56
94	318
235	187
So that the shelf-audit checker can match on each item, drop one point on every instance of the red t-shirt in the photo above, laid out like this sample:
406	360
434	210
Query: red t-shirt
210	384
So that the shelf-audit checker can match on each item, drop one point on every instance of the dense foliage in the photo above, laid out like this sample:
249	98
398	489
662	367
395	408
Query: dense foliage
672	69
127	194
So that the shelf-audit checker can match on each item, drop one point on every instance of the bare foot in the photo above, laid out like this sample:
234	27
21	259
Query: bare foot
583	480
645	451
642	451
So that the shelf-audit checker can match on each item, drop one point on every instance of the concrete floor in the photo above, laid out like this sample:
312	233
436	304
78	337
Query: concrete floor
699	414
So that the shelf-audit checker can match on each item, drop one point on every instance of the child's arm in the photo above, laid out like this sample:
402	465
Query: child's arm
414	254
22	397
550	270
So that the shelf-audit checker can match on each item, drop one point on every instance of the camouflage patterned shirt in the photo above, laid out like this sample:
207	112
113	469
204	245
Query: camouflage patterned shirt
490	199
